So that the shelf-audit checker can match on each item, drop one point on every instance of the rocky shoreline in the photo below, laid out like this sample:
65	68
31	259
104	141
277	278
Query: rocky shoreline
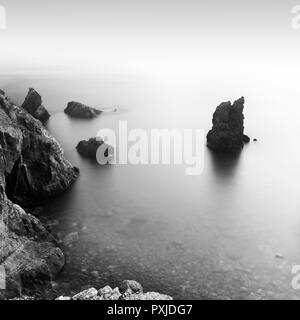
128	290
33	166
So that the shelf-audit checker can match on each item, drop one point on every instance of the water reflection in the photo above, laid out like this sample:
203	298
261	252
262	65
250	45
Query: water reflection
224	166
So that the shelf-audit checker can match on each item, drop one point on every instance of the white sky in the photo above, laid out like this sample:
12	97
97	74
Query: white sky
149	36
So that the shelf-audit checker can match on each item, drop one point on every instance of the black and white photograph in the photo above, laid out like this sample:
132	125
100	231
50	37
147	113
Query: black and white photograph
149	150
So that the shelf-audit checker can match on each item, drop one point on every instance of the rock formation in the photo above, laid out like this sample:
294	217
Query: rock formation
89	148
227	133
79	110
33	104
129	290
32	166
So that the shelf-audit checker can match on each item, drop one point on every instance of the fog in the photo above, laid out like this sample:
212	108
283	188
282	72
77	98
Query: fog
148	36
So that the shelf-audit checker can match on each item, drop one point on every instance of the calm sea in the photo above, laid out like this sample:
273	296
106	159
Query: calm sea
215	235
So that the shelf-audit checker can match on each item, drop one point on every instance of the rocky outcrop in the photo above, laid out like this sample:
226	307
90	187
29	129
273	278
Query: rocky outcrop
32	166
89	148
79	110
227	133
129	290
33	105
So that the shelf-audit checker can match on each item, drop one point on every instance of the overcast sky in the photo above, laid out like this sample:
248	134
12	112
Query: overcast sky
144	35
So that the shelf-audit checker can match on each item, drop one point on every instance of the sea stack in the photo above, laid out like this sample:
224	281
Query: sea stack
80	110
89	148
33	105
32	167
227	134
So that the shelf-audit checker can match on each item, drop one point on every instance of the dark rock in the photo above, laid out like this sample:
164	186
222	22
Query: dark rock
2	92
33	105
227	134
89	148
79	110
31	160
246	139
254	139
32	167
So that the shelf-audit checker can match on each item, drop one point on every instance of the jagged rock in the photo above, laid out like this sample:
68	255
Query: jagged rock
33	105
89	148
227	133
129	290
88	294
80	110
32	166
32	161
107	293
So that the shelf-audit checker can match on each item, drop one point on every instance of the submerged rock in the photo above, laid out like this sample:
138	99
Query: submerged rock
227	133
32	167
80	110
131	287
71	238
33	105
89	148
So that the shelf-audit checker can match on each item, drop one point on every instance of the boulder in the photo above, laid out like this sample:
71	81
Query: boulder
246	139
80	110
32	167
89	148
107	293
227	133
88	294
33	105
